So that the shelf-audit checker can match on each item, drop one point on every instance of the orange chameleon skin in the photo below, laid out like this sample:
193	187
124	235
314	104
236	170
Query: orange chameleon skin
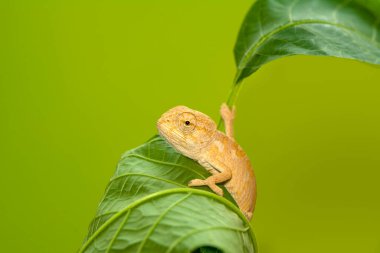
195	135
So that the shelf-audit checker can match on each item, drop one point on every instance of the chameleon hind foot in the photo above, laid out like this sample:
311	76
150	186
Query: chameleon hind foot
209	183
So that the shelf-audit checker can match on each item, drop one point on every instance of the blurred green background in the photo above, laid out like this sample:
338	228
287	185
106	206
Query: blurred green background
83	81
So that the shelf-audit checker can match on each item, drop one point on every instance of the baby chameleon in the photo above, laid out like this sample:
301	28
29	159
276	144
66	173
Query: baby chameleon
195	135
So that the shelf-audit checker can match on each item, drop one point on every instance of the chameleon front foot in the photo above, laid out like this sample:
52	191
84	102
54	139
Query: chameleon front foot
227	113
228	116
212	185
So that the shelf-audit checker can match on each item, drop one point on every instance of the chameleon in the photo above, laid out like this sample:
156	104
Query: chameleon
196	136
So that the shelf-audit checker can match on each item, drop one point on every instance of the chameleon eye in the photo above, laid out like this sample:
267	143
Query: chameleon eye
186	122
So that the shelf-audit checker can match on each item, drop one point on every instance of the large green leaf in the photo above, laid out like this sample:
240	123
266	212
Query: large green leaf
148	207
276	28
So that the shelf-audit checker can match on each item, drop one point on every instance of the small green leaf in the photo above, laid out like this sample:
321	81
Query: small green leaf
147	207
276	28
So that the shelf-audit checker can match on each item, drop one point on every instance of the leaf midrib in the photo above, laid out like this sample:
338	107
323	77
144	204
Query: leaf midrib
252	49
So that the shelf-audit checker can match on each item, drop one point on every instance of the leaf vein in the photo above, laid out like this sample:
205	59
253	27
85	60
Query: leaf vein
150	176
164	163
118	232
155	224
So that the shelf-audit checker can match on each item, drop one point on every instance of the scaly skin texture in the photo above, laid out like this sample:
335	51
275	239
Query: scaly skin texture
195	135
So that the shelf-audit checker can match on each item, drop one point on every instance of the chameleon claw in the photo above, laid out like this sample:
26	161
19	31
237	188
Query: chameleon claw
216	189
196	182
213	186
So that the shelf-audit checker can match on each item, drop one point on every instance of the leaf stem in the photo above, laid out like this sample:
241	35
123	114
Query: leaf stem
232	97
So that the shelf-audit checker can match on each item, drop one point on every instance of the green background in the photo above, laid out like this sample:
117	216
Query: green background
83	81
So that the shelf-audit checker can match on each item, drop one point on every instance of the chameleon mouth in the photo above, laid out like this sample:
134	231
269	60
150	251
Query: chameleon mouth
159	126
162	133
162	128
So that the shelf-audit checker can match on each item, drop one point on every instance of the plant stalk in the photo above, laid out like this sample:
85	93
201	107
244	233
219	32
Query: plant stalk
234	93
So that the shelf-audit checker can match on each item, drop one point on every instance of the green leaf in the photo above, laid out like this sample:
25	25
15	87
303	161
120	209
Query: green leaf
147	207
276	28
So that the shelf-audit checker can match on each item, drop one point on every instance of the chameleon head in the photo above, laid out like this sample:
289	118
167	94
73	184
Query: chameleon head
186	129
